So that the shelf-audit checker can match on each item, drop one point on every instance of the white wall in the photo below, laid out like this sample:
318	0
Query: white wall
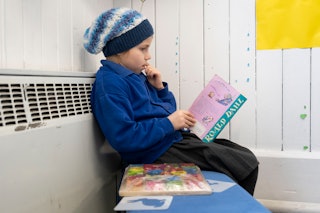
46	34
193	40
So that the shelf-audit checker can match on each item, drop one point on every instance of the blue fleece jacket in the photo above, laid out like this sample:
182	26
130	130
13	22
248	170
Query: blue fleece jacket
132	114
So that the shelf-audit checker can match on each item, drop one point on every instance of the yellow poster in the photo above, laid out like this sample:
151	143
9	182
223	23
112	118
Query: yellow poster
285	24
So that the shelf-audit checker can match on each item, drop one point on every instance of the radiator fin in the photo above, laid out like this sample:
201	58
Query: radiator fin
12	110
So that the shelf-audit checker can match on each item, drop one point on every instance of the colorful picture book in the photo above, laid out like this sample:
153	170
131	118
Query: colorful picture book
163	179
214	108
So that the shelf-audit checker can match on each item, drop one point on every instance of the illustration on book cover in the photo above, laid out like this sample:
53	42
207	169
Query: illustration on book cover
214	108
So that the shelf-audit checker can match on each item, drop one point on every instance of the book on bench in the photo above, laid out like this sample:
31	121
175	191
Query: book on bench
214	107
163	179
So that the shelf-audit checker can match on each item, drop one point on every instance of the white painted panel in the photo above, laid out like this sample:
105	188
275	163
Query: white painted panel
13	34
167	43
143	7
191	51
80	21
32	34
242	69
288	176
216	43
216	39
315	99
269	99
92	62
49	31
146	8
64	22
122	3
2	34
83	13
296	99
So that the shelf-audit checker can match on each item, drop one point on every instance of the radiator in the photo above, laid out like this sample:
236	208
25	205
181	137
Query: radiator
53	157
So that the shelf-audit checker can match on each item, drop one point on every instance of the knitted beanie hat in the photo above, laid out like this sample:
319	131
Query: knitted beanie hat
116	30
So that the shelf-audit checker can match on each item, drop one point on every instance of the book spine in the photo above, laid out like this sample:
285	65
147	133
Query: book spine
224	120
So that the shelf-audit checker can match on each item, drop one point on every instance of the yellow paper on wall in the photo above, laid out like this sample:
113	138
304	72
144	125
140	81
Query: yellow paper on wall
285	24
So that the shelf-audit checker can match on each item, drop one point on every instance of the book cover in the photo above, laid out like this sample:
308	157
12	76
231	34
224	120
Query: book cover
163	179
214	107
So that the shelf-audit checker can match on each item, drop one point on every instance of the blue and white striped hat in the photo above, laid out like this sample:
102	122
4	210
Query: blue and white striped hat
116	30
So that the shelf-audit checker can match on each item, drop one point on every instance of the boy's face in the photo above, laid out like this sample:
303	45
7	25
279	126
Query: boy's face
137	57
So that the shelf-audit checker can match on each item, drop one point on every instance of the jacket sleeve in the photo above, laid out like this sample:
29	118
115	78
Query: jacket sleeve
116	118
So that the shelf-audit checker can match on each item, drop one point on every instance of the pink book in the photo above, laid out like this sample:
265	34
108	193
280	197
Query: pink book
214	108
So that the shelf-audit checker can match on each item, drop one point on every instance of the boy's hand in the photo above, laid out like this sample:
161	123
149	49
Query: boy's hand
182	119
154	77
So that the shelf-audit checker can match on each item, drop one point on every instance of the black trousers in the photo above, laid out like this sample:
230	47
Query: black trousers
222	155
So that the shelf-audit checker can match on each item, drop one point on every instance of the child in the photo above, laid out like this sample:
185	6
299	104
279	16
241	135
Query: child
136	111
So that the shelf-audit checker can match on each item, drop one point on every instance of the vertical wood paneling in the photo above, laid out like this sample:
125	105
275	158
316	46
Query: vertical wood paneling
122	3
315	99
49	40
167	43
2	42
193	41
14	34
80	21
191	51
216	43
143	7
84	12
216	39
242	69
2	35
269	99
296	99
32	34
64	22
97	7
